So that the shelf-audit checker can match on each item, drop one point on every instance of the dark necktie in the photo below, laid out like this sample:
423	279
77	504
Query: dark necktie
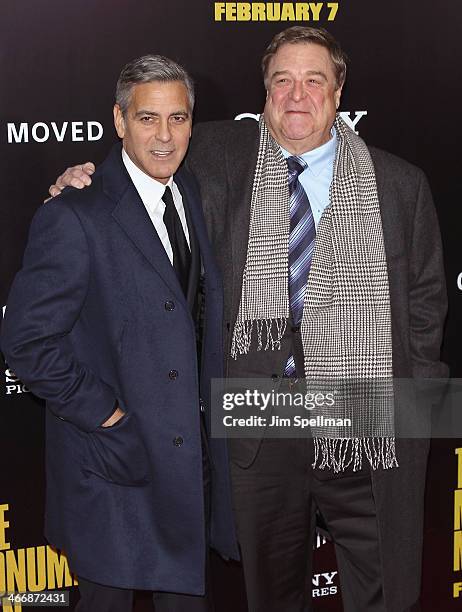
301	246
180	248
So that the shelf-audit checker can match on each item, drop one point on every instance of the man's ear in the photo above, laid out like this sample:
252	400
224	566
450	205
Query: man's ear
119	121
338	95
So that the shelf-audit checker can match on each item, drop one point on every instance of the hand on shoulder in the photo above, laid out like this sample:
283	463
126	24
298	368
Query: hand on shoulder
77	176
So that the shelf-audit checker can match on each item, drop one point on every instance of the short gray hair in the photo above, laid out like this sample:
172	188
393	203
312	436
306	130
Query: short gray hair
147	69
316	36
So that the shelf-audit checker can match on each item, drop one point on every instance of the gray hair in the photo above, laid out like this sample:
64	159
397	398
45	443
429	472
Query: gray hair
317	36
147	69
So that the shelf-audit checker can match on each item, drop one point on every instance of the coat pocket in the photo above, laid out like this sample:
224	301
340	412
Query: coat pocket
117	454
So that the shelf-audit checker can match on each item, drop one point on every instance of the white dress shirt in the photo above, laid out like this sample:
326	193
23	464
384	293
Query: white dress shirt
317	176
151	192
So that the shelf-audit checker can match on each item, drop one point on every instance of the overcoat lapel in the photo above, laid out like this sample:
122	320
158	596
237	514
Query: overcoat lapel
202	253
130	213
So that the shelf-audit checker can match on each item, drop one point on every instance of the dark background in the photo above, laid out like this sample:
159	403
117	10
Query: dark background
59	61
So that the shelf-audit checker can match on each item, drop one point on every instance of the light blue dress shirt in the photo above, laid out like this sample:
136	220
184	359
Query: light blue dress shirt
317	177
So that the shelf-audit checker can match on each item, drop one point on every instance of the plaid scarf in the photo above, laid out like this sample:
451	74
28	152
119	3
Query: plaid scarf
346	324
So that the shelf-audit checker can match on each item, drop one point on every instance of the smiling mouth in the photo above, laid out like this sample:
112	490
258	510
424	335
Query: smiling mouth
161	154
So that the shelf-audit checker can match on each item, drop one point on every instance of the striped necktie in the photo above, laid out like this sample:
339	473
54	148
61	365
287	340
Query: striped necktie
301	246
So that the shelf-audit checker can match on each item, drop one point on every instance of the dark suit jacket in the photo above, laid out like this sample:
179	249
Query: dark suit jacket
96	317
223	157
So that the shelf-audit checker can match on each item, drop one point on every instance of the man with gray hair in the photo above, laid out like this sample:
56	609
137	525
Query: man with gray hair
103	323
332	265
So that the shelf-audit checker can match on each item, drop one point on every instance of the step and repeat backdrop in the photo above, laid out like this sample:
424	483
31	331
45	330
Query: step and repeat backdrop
59	63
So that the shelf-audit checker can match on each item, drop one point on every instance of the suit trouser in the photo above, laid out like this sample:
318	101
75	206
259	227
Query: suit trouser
100	598
274	504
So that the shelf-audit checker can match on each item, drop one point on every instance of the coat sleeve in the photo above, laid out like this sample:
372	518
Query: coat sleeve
427	294
45	301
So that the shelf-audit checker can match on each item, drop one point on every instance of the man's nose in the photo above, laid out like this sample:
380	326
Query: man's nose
163	133
298	91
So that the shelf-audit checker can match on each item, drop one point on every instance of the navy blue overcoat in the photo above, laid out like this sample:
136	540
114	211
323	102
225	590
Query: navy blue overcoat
97	317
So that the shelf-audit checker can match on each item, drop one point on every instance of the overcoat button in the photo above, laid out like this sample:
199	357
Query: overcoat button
178	441
173	374
169	306
202	405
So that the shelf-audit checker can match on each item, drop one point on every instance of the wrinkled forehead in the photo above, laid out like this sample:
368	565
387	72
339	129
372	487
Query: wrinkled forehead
171	96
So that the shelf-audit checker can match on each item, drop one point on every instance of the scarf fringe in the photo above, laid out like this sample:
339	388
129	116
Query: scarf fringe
337	454
269	335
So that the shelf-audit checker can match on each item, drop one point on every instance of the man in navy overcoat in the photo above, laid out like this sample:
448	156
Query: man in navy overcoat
101	325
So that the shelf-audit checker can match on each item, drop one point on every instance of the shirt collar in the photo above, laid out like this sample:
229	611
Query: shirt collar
150	190
320	158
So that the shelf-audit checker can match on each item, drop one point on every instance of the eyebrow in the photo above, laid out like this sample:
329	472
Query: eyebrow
181	112
308	73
